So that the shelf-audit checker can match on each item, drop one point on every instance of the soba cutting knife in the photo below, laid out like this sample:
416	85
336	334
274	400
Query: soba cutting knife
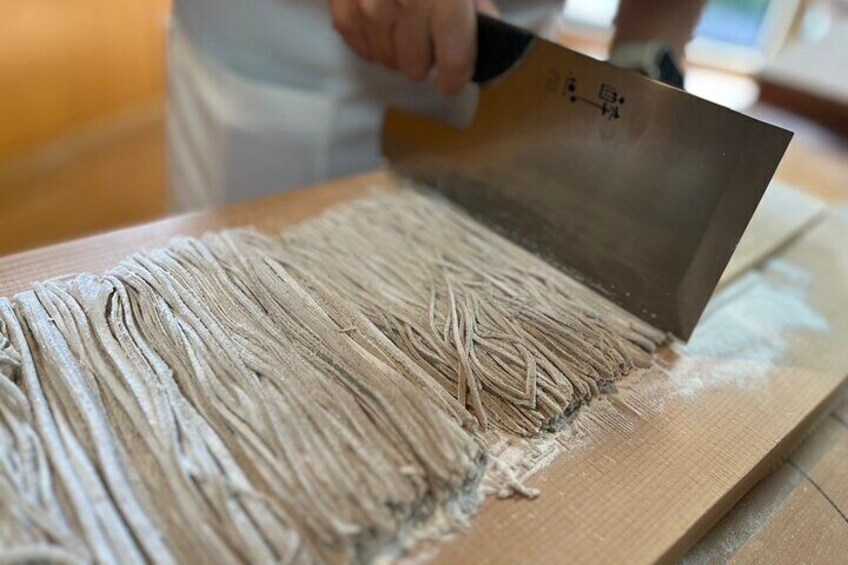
638	189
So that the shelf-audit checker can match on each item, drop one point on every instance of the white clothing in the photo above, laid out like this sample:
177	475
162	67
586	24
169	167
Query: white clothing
263	95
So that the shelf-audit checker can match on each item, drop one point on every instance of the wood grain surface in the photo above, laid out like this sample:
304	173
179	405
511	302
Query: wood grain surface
798	514
656	465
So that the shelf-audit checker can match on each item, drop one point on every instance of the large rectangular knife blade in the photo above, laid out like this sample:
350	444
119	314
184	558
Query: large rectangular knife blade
638	189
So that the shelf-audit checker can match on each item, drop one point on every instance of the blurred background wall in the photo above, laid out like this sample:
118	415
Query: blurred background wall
82	100
81	117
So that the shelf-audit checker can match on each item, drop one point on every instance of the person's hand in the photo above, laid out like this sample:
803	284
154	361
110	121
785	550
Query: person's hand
415	36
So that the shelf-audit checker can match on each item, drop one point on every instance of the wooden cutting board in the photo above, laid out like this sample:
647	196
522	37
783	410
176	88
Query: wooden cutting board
647	471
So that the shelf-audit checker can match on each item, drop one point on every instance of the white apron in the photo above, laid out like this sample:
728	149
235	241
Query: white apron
264	96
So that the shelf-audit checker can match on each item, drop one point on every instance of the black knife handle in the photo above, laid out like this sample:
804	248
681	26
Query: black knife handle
499	46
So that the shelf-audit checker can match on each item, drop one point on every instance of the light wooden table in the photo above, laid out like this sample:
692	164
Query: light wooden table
658	465
797	513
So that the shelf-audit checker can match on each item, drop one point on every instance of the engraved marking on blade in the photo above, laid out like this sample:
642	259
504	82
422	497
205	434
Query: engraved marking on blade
609	100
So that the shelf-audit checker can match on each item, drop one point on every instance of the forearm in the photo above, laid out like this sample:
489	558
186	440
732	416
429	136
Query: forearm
669	21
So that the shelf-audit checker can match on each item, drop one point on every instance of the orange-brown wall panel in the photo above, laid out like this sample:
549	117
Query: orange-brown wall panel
67	63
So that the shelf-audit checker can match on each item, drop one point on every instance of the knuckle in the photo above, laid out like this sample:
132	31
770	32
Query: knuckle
342	24
415	72
371	16
412	7
378	13
457	65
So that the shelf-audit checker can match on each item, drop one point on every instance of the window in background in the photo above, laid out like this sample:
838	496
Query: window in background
739	22
732	34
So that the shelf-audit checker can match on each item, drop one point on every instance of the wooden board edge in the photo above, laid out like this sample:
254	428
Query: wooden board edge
95	253
778	454
788	211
